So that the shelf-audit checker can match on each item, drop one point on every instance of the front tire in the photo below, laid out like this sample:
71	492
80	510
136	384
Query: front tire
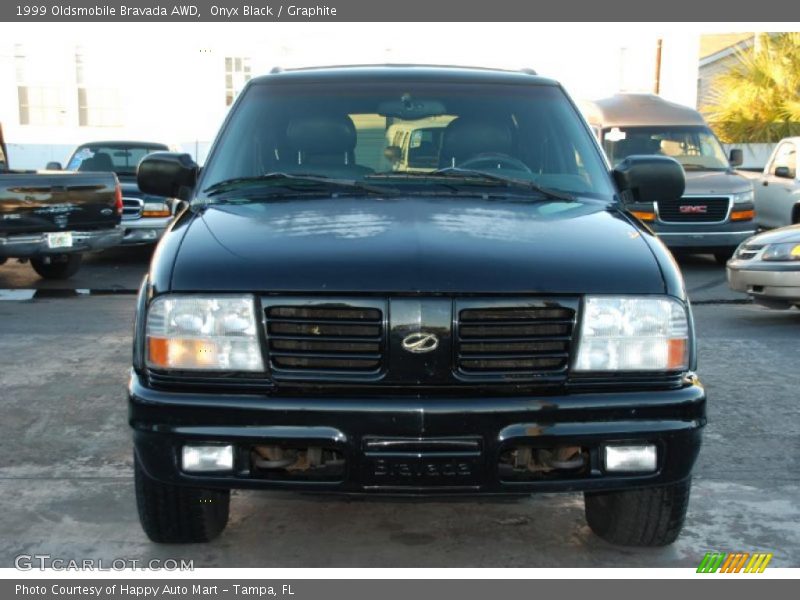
644	517
172	514
57	267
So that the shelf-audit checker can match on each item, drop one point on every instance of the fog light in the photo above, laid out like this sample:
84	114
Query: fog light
630	459
207	458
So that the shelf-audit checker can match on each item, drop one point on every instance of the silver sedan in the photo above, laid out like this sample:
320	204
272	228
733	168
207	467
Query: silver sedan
767	267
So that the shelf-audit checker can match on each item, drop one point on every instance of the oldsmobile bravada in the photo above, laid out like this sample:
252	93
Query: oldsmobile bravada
494	324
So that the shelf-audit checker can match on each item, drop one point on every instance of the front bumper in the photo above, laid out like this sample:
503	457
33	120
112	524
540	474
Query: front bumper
471	433
775	283
699	236
31	245
144	230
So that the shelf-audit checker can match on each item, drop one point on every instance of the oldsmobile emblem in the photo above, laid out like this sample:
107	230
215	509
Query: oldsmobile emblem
420	342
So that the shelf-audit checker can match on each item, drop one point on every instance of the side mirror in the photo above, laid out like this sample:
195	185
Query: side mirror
736	157
169	174
54	166
649	178
784	173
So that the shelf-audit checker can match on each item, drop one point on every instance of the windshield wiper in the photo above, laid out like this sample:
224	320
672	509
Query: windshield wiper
453	175
304	183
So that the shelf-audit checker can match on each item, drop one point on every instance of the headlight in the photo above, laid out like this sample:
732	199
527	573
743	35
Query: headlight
203	333
159	207
633	334
785	251
744	197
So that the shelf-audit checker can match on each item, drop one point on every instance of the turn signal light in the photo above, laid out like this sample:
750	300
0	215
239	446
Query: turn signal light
643	216
677	354
156	213
743	215
174	353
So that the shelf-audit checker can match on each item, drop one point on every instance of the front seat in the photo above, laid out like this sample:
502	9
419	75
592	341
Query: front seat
99	162
469	137
326	141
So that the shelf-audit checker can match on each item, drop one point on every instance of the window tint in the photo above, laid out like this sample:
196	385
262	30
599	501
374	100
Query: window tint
121	159
696	148
355	130
786	156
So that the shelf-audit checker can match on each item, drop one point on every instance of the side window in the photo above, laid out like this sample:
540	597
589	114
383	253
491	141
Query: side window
786	157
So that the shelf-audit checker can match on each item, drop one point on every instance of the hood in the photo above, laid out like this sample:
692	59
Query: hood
716	182
414	245
784	234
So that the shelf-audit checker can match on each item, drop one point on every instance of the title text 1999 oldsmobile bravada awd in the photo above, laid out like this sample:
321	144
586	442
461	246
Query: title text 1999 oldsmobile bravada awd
320	319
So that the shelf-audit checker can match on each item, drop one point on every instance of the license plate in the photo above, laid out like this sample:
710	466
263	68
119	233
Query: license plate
422	471
59	239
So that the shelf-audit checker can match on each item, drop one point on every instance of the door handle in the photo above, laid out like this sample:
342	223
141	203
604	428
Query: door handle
765	183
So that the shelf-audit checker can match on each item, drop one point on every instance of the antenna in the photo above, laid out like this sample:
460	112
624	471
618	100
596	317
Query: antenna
529	71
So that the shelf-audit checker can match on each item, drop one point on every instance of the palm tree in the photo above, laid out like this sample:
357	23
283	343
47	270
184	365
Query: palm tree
758	100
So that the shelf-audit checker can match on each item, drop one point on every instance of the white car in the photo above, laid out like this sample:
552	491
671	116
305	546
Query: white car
767	267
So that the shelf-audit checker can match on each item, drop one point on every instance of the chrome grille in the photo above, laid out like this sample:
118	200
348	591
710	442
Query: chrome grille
525	340
131	208
325	339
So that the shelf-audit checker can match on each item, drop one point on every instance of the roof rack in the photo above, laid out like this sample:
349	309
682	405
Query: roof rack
526	70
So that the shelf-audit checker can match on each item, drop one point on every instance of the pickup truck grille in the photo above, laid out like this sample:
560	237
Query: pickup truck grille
131	208
694	209
518	341
325	339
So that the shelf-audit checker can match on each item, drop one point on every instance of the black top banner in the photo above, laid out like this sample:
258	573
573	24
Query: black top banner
403	11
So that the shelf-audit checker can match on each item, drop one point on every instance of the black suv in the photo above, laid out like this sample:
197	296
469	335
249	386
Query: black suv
319	319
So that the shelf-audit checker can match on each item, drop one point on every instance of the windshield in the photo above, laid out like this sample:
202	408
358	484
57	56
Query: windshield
408	136
122	159
696	148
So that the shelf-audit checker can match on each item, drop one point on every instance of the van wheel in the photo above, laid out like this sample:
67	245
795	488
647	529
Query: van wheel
172	514
58	267
645	517
722	256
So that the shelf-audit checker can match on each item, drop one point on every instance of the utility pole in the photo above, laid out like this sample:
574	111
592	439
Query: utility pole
657	83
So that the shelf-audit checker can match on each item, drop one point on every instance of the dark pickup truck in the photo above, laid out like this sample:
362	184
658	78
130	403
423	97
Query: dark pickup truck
320	319
50	218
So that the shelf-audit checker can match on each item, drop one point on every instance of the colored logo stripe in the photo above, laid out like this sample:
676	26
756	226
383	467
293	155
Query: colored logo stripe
734	562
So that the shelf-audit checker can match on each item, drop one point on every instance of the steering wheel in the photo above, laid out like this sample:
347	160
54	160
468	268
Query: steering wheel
494	160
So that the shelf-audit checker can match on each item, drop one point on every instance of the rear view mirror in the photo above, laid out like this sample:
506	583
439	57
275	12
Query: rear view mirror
169	174
649	178
410	109
53	166
784	173
736	157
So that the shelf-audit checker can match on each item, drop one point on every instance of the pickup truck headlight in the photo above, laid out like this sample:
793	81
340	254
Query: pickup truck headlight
157	208
784	251
744	197
203	333
633	334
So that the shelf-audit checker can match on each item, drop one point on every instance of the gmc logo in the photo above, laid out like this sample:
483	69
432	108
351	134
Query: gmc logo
693	210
